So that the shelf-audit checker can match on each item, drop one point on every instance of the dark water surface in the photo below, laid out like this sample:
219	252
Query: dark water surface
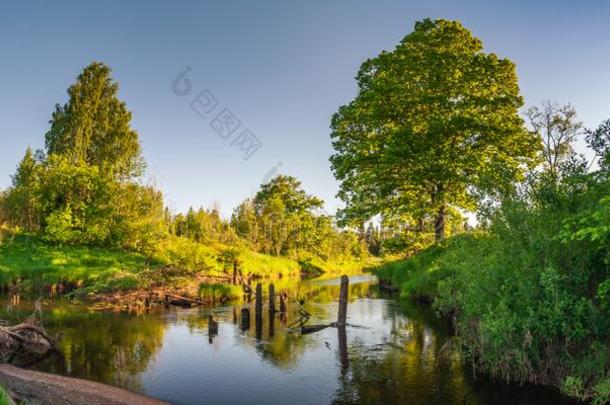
390	353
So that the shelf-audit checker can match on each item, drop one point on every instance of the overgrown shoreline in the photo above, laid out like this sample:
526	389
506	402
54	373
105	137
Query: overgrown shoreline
531	327
32	267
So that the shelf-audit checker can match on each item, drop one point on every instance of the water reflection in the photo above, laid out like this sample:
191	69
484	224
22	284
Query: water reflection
388	354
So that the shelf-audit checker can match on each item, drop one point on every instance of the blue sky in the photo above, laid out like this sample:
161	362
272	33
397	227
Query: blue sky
281	67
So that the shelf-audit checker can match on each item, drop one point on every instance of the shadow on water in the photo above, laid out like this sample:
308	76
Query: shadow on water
388	353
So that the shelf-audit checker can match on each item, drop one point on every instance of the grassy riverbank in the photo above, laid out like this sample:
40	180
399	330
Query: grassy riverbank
37	266
517	313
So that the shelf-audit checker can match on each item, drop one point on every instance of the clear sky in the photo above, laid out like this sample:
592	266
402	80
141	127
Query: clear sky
282	68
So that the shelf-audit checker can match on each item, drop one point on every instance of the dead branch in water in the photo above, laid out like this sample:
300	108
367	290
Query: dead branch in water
24	343
183	301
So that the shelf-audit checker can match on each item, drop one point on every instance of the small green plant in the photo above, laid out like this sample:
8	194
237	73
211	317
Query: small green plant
4	398
218	292
573	387
601	392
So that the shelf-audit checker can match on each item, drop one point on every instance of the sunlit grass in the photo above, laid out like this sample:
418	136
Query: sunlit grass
218	292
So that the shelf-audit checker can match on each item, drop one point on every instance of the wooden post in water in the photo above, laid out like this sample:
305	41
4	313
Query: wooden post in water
259	300
271	300
245	319
258	311
212	326
344	359
343	295
282	302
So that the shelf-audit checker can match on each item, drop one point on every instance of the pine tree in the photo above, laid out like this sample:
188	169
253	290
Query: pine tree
94	126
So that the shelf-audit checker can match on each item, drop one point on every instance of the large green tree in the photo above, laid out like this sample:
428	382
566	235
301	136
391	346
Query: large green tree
84	190
435	125
93	127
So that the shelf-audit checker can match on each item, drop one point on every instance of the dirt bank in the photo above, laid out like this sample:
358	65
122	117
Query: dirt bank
41	388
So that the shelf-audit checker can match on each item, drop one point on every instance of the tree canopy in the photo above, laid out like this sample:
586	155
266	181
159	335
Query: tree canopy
435	124
94	126
83	190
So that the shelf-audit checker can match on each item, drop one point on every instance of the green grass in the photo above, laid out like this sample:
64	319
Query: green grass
4	398
176	262
269	266
419	276
218	292
39	265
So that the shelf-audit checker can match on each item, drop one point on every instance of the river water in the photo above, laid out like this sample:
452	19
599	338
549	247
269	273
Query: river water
389	353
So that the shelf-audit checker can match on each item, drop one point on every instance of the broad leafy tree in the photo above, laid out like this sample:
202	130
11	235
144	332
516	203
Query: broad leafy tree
434	125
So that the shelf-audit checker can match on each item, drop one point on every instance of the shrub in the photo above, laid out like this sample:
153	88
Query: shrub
528	293
218	292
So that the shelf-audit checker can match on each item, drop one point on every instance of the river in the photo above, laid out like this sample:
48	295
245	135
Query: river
390	353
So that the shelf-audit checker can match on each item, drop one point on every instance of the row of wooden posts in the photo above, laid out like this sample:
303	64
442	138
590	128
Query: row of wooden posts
258	310
283	297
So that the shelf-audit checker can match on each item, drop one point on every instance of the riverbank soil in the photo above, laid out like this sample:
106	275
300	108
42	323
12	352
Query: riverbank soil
35	387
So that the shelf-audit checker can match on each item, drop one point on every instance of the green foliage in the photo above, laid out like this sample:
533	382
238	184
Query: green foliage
4	397
218	292
93	127
529	294
557	127
61	227
283	220
83	191
20	202
599	141
435	125
268	266
185	254
33	263
138	220
203	226
309	268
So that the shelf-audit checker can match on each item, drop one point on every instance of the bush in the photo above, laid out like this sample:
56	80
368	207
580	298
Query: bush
218	292
528	294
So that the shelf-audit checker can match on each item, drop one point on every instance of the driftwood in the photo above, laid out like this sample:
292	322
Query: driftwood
127	301
183	301
24	343
306	330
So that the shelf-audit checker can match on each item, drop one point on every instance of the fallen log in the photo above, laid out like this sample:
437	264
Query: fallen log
183	301
24	343
35	387
306	330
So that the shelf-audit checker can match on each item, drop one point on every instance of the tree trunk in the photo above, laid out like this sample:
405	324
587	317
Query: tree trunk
439	224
